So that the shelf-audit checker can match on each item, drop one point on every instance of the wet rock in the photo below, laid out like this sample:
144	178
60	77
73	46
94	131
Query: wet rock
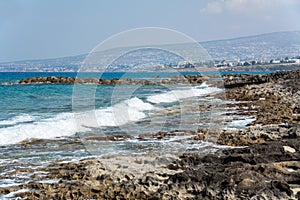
239	80
256	135
106	81
273	103
114	81
199	137
254	172
190	79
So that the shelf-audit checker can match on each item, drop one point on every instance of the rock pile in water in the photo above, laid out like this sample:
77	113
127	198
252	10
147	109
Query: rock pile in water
228	81
180	79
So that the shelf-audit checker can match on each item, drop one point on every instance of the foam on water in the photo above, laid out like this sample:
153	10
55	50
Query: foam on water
13	194
241	123
24	127
123	113
61	125
18	119
64	124
176	95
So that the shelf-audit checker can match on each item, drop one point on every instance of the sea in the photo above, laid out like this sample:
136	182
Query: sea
45	123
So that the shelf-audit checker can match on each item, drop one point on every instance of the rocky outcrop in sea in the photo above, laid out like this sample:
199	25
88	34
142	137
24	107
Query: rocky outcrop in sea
228	81
179	79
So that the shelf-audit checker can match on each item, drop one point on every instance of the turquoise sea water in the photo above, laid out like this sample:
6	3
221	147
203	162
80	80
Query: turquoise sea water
31	102
47	110
43	123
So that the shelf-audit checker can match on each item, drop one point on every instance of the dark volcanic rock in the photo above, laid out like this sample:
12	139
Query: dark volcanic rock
274	102
238	80
270	170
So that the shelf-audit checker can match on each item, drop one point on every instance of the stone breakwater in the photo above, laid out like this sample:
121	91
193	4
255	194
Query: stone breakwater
228	81
186	79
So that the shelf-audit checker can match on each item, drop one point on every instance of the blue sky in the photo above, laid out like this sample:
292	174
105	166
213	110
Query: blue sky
34	29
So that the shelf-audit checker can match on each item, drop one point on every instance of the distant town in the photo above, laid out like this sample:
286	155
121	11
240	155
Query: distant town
181	65
246	63
225	63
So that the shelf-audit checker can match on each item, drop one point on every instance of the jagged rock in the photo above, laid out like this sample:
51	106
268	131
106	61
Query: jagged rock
255	172
238	80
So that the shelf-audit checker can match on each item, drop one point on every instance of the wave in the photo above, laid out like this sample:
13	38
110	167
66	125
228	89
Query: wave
61	125
18	119
241	123
122	113
66	124
176	95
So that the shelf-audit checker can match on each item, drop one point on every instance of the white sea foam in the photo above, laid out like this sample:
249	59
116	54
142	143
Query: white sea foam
18	119
12	194
61	125
49	181
176	95
66	124
241	123
124	112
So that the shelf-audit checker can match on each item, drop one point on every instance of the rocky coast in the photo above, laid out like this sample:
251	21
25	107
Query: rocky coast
259	162
179	79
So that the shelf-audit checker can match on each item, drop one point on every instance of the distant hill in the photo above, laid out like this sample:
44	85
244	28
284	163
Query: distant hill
265	46
258	47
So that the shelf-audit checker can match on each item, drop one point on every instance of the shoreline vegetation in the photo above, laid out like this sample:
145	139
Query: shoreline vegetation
263	161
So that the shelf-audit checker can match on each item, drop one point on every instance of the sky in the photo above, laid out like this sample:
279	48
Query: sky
38	29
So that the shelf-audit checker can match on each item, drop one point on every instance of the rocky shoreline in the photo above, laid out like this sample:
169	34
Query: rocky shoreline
262	162
268	168
275	102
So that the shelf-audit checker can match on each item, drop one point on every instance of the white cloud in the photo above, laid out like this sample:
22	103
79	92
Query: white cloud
246	6
214	7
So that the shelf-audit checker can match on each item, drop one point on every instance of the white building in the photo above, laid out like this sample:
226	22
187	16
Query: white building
294	60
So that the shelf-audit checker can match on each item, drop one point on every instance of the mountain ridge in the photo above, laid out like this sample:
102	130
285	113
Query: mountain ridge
254	47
